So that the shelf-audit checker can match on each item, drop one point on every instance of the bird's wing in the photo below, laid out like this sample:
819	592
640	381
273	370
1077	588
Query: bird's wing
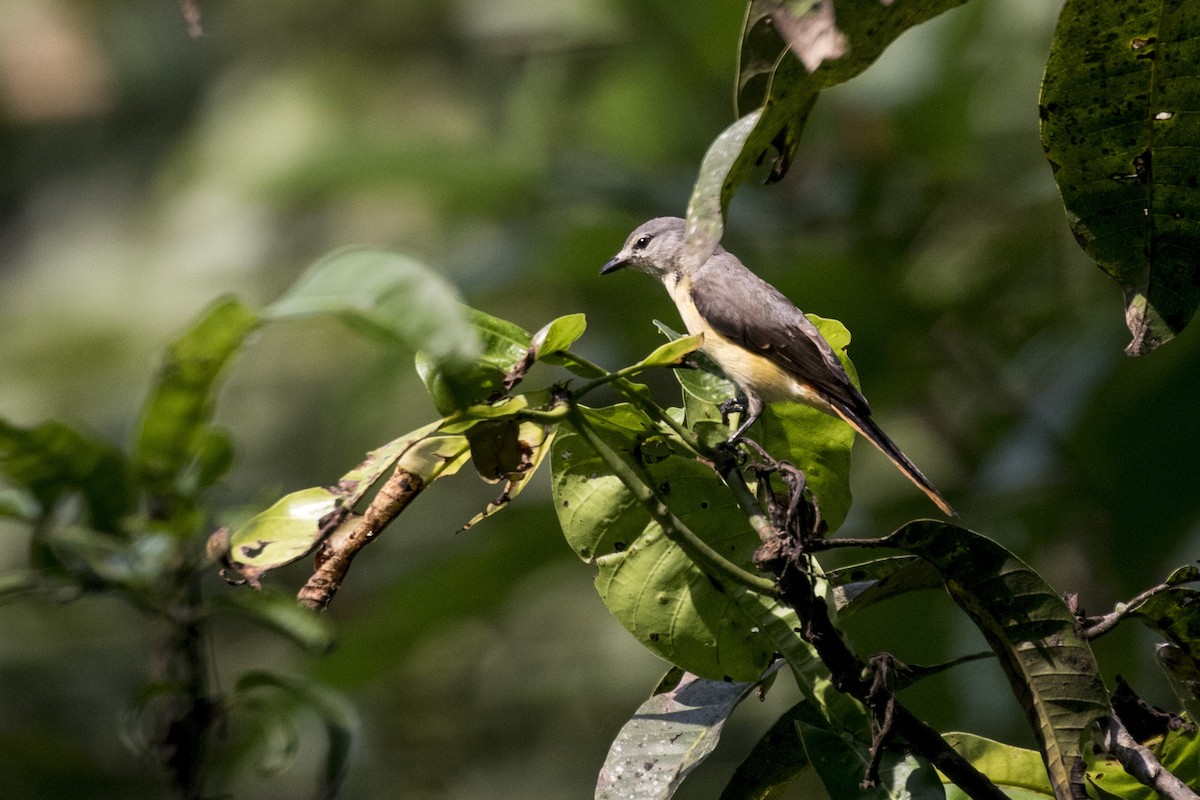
753	314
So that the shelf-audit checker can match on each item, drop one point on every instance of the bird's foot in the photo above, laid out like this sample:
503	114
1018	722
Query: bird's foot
734	405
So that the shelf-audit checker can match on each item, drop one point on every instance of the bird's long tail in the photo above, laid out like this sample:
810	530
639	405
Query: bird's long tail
875	435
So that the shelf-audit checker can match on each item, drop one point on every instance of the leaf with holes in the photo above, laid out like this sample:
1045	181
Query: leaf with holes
669	736
1119	105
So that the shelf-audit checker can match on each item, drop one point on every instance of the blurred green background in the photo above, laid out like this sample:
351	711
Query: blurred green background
512	145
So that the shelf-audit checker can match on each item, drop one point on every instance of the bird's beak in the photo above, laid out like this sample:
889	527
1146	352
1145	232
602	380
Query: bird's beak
612	266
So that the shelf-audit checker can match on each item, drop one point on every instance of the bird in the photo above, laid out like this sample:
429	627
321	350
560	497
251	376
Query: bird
757	336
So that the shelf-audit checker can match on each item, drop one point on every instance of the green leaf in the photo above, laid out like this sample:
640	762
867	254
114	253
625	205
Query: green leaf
504	347
286	531
646	581
669	736
841	763
173	432
559	335
1178	752
773	79
817	443
1049	665
1018	772
282	614
709	202
336	714
672	353
776	761
707	383
295	524
357	482
1118	104
386	295
52	460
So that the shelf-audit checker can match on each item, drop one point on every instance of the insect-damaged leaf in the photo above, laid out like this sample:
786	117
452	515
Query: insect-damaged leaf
671	734
294	525
1119	106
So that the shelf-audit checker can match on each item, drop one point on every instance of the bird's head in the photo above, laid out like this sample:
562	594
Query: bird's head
654	247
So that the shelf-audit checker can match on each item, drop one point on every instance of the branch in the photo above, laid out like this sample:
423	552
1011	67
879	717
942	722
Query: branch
852	676
1095	627
334	555
1140	762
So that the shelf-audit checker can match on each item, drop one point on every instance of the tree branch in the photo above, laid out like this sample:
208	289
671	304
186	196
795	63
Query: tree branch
334	555
1140	762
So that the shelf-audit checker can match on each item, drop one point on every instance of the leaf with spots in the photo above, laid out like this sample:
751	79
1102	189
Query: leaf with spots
669	736
648	583
1049	665
296	523
1120	110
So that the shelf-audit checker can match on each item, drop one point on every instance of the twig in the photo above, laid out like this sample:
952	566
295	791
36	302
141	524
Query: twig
1095	627
1139	761
334	555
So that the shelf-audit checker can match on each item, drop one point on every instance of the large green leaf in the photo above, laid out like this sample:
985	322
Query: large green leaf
775	80
817	443
1049	665
173	432
1119	106
387	295
645	580
395	298
669	736
51	460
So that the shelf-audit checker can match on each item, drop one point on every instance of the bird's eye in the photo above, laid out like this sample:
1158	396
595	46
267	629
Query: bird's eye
641	243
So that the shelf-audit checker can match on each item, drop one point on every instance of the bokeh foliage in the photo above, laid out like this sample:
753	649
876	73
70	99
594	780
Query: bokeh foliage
514	146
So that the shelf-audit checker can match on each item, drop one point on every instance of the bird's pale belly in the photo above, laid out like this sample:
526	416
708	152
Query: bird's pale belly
753	373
